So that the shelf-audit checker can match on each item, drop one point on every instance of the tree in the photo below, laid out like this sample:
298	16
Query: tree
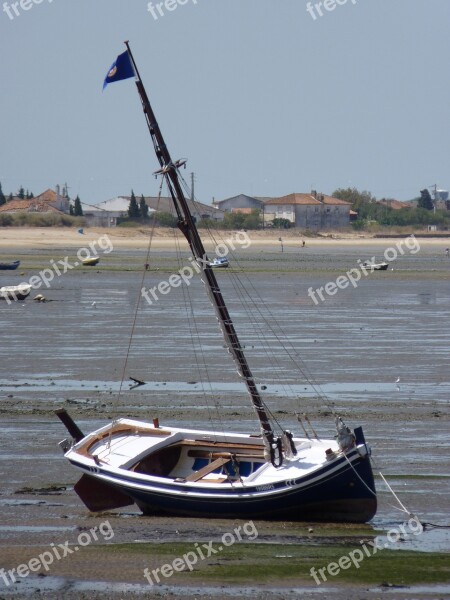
166	219
239	220
281	223
425	200
77	209
143	208
21	193
356	198
10	197
2	196
133	208
71	211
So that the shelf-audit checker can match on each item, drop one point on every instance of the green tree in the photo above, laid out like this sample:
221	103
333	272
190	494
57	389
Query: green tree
360	201
71	211
21	193
143	208
253	220
10	197
78	209
166	219
2	196
425	200
242	221
280	223
133	208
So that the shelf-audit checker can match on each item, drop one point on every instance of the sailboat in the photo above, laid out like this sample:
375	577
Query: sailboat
211	473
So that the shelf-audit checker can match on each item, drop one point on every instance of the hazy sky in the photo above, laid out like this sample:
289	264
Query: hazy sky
261	96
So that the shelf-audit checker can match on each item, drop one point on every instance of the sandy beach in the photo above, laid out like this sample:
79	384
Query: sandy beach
48	237
69	352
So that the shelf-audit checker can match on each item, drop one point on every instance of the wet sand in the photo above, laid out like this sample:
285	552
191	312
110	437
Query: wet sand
69	352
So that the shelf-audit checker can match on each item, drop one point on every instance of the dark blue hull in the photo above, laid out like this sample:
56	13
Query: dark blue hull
9	266
347	495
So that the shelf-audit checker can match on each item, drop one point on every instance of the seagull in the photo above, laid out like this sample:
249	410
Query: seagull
397	380
94	304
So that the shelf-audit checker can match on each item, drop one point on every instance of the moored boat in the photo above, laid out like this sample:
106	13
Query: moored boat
15	292
272	474
90	262
9	266
220	262
372	266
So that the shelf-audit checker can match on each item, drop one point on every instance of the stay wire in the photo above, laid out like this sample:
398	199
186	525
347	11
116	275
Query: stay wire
195	340
135	315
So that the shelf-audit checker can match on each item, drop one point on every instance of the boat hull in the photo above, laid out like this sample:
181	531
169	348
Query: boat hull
341	491
376	266
9	266
336	497
90	262
13	293
206	474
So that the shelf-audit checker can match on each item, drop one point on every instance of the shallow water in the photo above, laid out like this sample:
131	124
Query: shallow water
354	347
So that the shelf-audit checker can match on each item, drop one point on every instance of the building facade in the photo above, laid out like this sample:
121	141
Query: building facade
237	203
309	211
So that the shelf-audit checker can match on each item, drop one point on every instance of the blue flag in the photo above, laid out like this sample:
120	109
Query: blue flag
120	69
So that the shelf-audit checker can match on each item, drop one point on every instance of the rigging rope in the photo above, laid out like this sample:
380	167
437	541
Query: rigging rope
196	341
279	333
135	315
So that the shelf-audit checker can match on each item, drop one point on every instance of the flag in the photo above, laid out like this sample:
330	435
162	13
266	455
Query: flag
120	69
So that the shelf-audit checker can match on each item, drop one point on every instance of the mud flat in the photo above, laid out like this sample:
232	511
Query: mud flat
69	352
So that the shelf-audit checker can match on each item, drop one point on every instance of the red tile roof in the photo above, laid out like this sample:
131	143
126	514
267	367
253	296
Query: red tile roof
334	201
307	199
47	196
395	204
294	199
28	206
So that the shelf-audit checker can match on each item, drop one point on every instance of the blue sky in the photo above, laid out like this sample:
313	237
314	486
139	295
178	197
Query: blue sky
261	97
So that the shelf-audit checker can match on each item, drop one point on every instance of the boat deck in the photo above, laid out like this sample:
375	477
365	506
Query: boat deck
194	456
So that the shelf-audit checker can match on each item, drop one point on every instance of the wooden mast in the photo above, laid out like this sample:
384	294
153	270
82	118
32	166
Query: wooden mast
187	225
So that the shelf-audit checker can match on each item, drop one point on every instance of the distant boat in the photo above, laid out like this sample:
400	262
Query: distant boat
219	263
376	266
90	262
15	292
12	266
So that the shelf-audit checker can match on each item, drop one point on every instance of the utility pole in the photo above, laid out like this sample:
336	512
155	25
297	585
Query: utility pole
435	197
192	187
